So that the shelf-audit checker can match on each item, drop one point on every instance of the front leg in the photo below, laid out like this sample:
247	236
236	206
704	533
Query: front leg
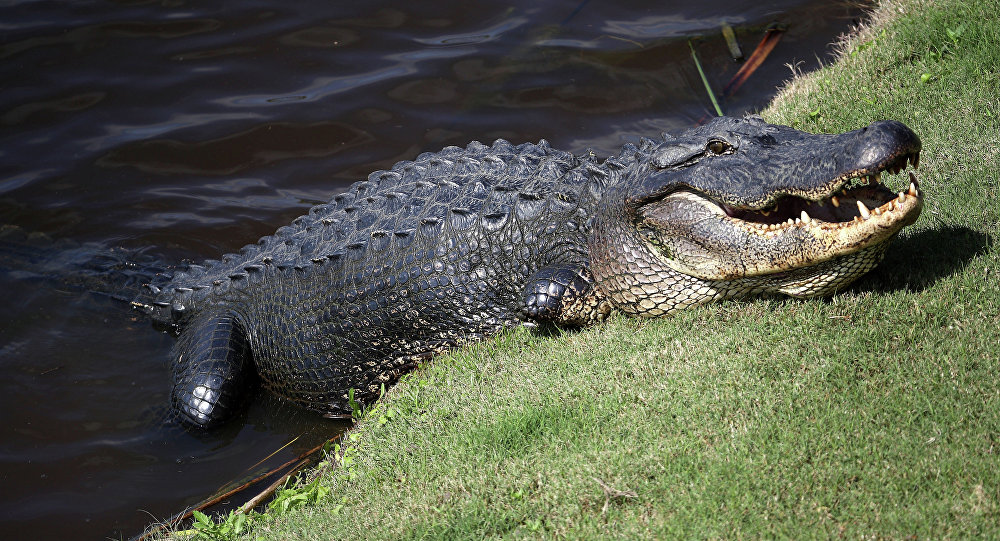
563	294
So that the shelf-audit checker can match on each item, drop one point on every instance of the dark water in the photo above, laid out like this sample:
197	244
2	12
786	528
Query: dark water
187	129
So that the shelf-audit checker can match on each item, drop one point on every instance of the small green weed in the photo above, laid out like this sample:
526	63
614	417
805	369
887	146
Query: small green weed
239	522
234	525
953	35
294	497
356	409
938	52
866	45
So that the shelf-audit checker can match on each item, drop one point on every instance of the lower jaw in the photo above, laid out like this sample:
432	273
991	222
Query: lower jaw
815	280
827	277
678	291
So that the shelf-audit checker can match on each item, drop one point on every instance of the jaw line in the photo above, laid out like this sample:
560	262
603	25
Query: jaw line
795	243
882	209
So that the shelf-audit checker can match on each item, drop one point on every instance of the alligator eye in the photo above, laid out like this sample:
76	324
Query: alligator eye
718	146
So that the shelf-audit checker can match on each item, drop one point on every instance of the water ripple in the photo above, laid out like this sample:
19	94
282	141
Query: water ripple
324	87
117	134
476	36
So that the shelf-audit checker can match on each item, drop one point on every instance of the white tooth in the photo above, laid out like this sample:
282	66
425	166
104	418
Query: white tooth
892	205
797	221
863	210
791	222
914	185
902	197
805	217
835	201
877	177
913	189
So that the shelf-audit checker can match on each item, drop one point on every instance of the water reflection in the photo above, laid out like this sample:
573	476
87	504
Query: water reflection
72	103
234	153
18	181
661	25
116	135
476	36
325	87
321	36
84	38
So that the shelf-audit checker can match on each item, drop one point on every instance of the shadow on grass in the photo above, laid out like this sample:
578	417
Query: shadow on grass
918	261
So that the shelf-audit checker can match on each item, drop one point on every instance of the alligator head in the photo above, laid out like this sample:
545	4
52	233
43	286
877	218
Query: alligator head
740	207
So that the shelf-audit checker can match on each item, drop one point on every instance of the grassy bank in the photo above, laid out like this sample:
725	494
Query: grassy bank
875	413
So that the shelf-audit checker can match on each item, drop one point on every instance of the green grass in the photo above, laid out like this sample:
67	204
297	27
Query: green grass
872	414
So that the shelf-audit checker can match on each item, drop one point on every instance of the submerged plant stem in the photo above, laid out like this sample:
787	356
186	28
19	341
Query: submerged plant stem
704	79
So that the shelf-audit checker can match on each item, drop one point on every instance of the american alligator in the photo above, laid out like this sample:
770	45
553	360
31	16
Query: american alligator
459	244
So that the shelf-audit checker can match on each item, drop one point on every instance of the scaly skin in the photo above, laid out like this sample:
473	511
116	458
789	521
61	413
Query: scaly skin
460	244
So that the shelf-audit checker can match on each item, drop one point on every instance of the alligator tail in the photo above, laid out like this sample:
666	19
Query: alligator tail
121	274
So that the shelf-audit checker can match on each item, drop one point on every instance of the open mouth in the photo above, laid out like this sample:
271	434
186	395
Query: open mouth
858	197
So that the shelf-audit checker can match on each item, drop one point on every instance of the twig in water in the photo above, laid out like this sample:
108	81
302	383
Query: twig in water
704	79
276	451
734	46
267	492
771	38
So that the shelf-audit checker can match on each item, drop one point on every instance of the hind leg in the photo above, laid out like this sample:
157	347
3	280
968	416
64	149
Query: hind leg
214	372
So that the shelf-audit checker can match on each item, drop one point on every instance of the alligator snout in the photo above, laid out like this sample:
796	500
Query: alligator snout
885	139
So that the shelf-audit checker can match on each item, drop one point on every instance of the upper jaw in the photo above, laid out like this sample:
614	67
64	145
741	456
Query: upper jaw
851	198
